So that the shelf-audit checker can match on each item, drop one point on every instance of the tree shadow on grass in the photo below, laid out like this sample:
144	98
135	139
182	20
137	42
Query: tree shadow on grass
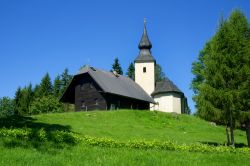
237	145
42	136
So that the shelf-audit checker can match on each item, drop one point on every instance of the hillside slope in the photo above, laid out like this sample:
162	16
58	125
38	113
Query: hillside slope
129	125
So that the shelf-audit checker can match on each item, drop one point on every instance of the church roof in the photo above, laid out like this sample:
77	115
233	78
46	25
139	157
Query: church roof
145	46
116	84
164	86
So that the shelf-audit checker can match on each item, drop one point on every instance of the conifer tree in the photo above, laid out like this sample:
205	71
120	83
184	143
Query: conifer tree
45	87
57	87
131	71
221	73
117	67
17	100
65	80
23	99
36	91
159	74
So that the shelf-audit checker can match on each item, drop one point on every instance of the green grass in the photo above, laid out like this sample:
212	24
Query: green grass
128	125
88	155
123	125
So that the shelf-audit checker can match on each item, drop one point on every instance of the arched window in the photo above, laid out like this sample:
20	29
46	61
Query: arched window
144	70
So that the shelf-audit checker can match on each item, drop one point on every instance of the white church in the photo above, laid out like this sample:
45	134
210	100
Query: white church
95	89
167	96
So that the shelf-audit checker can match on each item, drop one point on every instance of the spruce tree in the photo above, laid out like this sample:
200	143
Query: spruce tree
36	91
23	99
159	74
17	100
117	67
65	80
131	71
45	87
57	87
221	73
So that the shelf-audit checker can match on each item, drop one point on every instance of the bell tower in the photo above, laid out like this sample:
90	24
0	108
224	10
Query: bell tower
145	64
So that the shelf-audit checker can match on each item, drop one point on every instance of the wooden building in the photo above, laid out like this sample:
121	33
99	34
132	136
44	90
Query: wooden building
94	89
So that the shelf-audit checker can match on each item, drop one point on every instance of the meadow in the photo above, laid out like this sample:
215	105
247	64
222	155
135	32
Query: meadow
43	145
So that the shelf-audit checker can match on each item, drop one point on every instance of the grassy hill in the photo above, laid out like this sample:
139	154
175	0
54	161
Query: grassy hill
122	125
148	125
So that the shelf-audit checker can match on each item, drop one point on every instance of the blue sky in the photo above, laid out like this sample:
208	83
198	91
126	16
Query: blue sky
47	36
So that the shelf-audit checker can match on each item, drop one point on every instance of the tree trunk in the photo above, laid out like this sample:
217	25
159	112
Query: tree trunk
231	128
232	135
228	139
248	132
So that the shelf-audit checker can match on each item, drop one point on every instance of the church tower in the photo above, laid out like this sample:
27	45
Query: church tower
145	64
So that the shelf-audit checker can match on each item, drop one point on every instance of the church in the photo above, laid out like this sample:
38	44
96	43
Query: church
95	89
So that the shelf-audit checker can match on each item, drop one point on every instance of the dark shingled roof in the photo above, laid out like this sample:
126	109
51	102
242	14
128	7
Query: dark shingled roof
116	84
145	46
166	86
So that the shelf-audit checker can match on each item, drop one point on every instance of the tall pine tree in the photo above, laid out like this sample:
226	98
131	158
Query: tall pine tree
23	99
45	87
221	73
57	87
131	71
17	100
159	74
65	80
117	67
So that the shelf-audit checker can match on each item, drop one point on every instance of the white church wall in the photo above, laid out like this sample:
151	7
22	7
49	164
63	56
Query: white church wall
168	102
177	103
145	79
165	102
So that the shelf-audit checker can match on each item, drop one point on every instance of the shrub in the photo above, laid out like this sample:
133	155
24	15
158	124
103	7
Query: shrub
6	107
42	135
61	137
45	104
64	137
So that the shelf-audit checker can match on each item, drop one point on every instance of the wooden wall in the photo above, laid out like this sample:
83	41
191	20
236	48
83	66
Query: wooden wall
120	102
87	91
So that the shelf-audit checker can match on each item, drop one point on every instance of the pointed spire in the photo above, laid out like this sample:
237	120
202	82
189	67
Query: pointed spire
145	42
145	46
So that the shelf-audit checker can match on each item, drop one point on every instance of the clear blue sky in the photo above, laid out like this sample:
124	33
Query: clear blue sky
47	36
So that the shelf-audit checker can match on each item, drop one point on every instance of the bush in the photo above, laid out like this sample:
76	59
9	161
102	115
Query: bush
41	135
166	145
45	104
6	107
62	137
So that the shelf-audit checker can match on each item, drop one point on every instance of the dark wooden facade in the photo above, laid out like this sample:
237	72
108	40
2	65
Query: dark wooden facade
89	96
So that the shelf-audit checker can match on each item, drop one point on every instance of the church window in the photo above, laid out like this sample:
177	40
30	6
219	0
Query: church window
144	70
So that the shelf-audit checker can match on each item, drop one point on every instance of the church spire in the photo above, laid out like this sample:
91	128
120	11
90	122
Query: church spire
145	42
145	46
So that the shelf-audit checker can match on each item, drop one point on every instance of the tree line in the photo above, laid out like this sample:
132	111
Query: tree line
44	97
41	98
